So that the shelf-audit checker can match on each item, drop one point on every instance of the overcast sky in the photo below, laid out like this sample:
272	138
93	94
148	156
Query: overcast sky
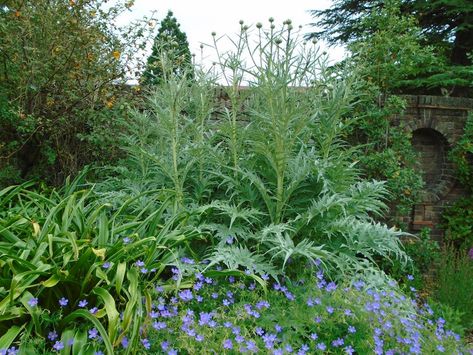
199	18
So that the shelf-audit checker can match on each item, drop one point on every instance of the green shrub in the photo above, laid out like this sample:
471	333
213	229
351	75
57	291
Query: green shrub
63	81
462	154
458	217
452	316
424	254
458	223
386	153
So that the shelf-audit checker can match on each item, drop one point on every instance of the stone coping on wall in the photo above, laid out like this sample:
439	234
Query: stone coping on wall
439	102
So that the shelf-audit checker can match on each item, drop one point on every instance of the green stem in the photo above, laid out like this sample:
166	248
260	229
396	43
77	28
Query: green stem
174	144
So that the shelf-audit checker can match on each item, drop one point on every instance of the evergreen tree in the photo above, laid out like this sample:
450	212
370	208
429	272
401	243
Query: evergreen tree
170	53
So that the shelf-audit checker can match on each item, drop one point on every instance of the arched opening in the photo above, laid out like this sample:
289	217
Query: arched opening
432	148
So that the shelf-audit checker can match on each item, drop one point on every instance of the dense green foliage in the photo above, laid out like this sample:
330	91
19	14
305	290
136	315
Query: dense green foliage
458	218
291	196
445	25
392	53
425	254
65	245
170	52
454	287
232	315
458	223
280	184
175	246
384	60
319	317
462	155
64	66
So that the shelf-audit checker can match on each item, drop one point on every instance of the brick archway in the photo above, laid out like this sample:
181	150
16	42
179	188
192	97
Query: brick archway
438	172
436	124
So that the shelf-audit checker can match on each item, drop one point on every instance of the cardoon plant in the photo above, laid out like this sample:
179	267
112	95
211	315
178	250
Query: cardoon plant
294	171
267	179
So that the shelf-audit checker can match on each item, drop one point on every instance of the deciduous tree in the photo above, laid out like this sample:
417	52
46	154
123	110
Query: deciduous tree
445	24
63	68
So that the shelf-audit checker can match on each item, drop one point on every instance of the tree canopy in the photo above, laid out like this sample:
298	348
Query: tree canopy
445	24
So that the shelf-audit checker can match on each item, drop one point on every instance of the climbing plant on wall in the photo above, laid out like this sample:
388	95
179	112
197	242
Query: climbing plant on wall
458	218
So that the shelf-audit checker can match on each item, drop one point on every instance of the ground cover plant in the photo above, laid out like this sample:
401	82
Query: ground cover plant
255	232
309	315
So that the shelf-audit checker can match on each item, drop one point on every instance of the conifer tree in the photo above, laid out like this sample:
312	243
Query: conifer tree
170	53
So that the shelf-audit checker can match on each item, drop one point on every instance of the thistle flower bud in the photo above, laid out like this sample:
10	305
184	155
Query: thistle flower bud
245	28
289	27
314	41
213	34
273	26
201	46
259	25
288	21
241	22
278	40
271	19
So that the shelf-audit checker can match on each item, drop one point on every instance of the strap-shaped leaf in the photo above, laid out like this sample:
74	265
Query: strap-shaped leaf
81	313
111	309
10	336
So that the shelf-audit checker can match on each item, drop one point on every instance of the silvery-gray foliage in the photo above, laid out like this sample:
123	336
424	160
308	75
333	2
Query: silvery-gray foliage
267	180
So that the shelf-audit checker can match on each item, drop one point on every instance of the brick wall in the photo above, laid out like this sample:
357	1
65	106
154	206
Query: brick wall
436	124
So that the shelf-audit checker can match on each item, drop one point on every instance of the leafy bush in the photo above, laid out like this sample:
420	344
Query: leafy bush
452	316
387	58
462	155
66	73
392	48
458	223
458	217
424	254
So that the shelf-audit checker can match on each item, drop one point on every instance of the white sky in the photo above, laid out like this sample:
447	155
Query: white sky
199	19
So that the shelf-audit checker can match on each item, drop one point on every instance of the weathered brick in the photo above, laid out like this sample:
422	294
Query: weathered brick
437	123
